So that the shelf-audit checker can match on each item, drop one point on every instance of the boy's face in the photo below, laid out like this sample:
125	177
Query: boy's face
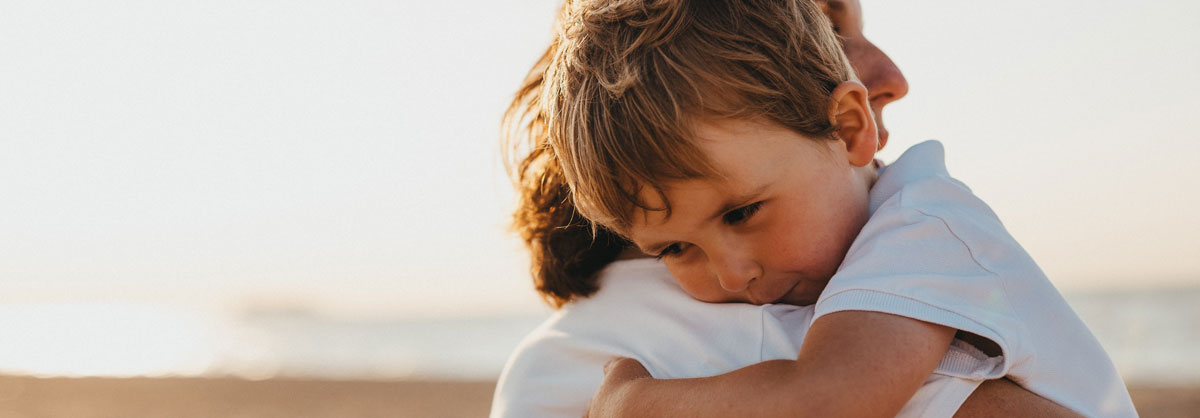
774	229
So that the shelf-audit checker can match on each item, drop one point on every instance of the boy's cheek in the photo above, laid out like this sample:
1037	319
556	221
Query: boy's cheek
697	283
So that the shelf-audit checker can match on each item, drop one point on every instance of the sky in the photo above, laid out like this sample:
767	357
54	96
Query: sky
343	156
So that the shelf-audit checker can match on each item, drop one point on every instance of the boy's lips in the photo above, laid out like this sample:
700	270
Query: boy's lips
803	292
789	291
754	299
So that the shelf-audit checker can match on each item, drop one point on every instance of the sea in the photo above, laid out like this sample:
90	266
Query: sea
1153	336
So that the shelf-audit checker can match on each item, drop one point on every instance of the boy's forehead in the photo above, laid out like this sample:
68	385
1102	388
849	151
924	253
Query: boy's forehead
744	153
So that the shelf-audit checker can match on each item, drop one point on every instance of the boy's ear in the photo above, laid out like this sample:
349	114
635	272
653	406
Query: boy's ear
851	114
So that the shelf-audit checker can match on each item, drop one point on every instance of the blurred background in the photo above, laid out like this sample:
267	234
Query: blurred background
305	190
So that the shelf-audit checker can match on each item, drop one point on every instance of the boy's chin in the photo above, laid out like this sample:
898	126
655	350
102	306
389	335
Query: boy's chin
804	293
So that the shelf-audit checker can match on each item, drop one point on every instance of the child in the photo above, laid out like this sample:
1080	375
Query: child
732	140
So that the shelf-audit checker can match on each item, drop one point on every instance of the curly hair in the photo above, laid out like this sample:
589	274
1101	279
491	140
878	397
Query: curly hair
566	250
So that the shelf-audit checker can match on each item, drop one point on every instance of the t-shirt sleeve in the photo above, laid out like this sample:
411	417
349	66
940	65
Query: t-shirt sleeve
909	263
939	396
548	376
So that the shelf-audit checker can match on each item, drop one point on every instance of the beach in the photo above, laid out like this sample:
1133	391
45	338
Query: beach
29	397
25	397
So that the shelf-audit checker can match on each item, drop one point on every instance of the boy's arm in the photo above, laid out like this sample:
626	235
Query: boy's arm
1001	398
852	364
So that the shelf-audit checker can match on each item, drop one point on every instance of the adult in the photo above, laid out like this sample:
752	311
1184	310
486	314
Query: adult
614	302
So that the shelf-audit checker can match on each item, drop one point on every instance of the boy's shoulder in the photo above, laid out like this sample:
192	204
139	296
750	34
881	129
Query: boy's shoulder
917	188
918	180
935	252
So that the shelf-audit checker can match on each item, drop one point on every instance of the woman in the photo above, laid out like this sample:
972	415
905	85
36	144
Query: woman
639	312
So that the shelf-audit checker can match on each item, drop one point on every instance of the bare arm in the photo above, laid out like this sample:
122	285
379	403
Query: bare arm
852	364
1002	398
999	398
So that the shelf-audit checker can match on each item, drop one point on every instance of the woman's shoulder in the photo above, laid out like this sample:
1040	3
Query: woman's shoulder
641	287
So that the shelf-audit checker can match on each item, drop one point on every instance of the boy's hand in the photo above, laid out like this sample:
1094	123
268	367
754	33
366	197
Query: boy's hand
619	374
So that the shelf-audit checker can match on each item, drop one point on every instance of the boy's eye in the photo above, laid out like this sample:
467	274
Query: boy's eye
740	215
671	250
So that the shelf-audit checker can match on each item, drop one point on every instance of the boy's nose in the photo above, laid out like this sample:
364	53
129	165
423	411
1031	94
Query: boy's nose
735	273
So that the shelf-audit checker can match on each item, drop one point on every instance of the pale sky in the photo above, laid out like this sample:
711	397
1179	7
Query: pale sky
343	155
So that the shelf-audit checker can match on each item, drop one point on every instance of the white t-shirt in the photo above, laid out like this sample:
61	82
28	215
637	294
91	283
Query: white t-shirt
935	252
931	251
640	312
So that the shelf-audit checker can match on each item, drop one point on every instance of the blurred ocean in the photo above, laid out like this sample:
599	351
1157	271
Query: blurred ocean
1152	335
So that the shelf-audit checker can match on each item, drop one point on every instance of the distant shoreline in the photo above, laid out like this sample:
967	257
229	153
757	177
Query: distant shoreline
280	397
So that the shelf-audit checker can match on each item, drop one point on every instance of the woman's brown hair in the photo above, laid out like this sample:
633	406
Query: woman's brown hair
566	251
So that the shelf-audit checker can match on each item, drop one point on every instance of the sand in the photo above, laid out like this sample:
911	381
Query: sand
26	397
231	398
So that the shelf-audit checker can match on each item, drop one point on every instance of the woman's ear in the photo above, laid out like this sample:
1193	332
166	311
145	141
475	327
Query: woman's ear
851	113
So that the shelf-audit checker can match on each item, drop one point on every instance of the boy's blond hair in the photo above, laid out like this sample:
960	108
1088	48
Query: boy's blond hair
629	78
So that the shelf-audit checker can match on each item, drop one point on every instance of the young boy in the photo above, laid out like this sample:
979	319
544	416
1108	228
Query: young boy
732	140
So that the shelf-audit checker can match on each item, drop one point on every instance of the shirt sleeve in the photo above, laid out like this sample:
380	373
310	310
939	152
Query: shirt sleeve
909	263
550	375
939	396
